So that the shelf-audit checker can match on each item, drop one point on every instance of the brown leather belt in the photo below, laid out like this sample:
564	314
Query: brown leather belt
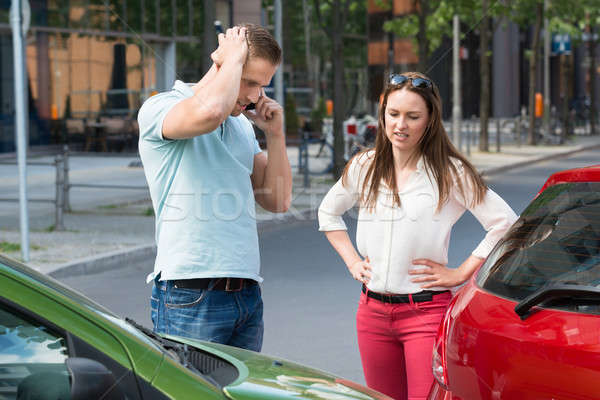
424	295
226	284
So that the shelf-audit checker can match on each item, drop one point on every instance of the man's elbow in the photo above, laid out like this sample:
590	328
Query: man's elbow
211	116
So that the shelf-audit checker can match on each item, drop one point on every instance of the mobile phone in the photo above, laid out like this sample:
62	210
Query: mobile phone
250	106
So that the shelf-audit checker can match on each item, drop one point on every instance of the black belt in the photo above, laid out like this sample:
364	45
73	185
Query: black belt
424	295
226	284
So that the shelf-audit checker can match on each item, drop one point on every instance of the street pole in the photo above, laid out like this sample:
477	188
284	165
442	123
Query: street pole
279	96
21	126
456	100
546	70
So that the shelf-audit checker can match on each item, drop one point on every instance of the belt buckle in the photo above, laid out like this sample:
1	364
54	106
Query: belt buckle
238	289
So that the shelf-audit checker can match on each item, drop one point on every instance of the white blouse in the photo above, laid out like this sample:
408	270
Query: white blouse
391	236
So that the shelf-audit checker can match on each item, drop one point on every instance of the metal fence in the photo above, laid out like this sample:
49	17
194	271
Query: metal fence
61	199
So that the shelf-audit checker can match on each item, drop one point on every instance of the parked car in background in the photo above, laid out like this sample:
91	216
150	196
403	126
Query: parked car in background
57	344
527	325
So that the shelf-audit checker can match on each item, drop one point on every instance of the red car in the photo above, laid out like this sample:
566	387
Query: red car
527	325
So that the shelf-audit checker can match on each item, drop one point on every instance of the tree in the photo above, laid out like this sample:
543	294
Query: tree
484	68
533	65
523	12
582	21
428	25
566	18
339	14
333	18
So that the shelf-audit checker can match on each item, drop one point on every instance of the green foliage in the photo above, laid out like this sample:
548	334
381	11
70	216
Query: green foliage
9	247
355	51
108	206
317	115
292	122
68	113
437	22
384	4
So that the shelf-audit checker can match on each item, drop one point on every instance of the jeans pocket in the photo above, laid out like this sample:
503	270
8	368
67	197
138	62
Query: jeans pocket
184	298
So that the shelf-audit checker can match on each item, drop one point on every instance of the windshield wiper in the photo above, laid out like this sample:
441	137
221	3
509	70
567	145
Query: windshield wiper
553	292
181	351
165	343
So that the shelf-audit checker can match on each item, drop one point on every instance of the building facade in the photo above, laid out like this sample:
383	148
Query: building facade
509	65
101	57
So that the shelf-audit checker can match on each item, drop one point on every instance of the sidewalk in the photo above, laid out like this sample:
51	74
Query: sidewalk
111	228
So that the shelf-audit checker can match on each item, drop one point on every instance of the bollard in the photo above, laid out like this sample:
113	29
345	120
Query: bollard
301	156
66	185
497	135
518	129
306	181
469	132
59	200
476	131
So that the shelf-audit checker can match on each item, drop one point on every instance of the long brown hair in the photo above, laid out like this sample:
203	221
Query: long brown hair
435	147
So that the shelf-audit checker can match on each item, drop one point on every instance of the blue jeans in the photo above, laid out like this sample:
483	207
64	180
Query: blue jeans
232	318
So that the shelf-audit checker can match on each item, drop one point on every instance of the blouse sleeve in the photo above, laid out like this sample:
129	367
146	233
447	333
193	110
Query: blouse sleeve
493	213
340	199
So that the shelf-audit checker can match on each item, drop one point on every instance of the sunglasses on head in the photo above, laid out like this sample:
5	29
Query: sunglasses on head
419	83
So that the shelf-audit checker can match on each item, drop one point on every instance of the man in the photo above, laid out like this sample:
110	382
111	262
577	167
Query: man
205	171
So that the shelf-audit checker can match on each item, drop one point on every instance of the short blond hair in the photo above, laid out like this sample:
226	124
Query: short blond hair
261	44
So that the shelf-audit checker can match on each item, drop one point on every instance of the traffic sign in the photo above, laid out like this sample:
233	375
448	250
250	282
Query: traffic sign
561	44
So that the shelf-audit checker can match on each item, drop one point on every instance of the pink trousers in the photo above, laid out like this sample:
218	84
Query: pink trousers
396	344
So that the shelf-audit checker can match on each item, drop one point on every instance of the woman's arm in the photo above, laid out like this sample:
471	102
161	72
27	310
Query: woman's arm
495	216
438	275
359	268
336	202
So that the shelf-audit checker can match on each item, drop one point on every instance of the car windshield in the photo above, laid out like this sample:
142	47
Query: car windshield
78	298
555	241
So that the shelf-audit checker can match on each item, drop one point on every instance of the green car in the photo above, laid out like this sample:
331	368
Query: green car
56	344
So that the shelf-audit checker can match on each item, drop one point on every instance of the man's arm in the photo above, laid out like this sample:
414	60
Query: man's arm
272	175
215	94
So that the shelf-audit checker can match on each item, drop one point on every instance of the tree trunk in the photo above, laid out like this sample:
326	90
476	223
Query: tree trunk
564	96
592	73
423	11
484	66
307	53
339	96
209	36
533	65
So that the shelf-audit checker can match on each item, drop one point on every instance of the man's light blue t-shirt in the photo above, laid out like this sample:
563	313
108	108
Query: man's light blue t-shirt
202	195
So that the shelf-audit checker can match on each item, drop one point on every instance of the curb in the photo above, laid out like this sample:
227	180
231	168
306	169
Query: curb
103	262
504	168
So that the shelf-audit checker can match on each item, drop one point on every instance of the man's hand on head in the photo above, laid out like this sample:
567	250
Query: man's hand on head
233	47
267	115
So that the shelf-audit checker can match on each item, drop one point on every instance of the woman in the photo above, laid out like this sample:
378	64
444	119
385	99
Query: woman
410	190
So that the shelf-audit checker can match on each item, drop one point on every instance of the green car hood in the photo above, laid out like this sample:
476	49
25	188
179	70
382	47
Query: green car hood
265	377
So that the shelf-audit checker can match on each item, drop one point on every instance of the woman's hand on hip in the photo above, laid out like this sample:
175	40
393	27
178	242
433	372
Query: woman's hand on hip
435	274
361	270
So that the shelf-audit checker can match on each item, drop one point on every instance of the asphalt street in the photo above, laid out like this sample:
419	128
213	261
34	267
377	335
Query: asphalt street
310	299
